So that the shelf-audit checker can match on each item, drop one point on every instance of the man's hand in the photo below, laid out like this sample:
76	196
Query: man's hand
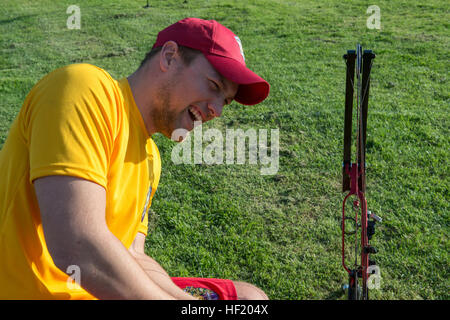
154	270
73	218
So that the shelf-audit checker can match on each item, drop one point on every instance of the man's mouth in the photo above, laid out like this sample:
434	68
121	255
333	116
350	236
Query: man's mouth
194	114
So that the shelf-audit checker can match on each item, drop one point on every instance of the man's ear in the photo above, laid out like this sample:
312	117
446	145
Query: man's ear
168	55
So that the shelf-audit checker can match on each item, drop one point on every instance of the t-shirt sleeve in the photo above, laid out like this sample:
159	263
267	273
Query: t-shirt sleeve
71	123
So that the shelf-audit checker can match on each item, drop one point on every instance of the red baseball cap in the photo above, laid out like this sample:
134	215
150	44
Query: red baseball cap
223	49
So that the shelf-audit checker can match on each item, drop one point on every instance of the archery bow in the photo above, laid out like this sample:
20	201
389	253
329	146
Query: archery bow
354	175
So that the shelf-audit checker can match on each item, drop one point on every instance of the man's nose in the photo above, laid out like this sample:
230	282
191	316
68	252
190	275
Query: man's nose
215	109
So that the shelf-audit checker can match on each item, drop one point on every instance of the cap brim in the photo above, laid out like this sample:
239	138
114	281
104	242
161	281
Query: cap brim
252	88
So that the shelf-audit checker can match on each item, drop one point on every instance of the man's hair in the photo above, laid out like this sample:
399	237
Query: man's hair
187	54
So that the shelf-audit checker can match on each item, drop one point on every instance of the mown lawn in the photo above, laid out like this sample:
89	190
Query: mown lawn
281	231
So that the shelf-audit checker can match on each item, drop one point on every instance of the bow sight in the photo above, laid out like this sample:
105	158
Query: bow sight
361	221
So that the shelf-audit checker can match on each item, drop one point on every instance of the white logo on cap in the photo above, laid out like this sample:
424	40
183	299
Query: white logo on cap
240	46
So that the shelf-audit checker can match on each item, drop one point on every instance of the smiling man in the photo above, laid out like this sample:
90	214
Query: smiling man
80	169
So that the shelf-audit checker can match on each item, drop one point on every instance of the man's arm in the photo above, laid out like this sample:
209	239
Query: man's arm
73	218
154	270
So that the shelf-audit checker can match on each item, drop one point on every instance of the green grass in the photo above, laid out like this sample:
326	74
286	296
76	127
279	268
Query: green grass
280	232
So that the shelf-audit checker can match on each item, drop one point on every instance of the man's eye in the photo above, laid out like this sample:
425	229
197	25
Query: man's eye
216	86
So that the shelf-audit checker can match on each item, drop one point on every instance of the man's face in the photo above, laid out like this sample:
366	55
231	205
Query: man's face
196	92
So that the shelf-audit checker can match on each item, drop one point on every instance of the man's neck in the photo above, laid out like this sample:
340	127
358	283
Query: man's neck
141	89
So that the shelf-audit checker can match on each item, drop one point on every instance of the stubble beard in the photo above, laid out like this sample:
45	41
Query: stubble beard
163	115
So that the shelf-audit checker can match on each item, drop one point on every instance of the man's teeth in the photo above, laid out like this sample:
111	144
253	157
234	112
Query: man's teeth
197	115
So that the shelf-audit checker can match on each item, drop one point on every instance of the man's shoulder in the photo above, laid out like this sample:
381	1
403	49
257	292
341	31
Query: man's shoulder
82	72
80	87
78	80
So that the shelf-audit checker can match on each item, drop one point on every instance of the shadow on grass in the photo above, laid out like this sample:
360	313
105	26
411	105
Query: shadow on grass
17	19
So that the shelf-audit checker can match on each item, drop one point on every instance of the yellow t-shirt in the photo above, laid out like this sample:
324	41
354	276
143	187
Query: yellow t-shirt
76	121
